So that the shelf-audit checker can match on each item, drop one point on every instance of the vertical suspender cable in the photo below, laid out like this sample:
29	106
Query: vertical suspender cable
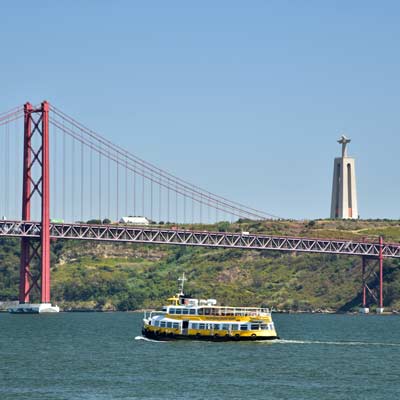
54	199
7	169
3	173
192	211
151	197
126	186
2	169
63	174
184	208
201	208
143	197
134	192
72	180
100	186
117	189
176	204
108	186
159	202
82	177
17	170
168	201
91	183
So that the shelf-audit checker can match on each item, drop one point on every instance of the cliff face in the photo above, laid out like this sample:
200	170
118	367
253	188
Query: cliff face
125	276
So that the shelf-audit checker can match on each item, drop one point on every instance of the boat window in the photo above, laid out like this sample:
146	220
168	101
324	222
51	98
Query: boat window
206	311
235	327
169	324
178	311
192	311
243	327
172	310
225	327
162	324
200	311
255	327
175	325
217	327
202	326
185	311
195	325
264	326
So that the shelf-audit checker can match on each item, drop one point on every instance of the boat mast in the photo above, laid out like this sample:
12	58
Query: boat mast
182	280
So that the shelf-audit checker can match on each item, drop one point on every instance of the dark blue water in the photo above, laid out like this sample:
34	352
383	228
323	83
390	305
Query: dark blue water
96	356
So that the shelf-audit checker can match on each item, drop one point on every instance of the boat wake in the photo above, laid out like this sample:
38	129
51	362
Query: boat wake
145	339
283	341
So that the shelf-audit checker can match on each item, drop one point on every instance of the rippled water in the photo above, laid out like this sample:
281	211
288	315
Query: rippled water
103	356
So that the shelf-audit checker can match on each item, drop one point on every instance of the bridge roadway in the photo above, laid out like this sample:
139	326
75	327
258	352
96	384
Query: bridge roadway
157	235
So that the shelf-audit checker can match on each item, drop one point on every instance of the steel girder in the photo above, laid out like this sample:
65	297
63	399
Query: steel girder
120	233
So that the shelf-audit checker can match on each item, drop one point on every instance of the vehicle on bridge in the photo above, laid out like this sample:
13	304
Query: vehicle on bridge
135	221
188	318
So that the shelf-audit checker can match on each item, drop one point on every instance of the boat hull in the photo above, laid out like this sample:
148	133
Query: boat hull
161	336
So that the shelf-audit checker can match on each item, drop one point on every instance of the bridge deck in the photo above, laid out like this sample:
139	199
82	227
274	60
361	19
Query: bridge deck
140	234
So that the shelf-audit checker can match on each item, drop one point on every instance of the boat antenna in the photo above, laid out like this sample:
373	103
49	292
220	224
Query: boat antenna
182	280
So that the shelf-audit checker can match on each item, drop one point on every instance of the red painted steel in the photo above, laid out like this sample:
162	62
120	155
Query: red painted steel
364	287
45	239
24	285
30	247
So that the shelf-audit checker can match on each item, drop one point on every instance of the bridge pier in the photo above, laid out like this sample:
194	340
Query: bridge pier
379	309
368	270
364	309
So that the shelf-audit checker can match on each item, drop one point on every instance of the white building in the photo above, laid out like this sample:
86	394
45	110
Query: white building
134	221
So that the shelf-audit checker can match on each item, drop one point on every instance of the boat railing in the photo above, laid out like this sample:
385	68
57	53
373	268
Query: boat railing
235	311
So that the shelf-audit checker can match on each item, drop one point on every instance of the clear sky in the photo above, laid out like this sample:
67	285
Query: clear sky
243	98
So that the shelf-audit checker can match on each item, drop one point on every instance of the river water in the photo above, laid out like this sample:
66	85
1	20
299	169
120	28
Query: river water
102	356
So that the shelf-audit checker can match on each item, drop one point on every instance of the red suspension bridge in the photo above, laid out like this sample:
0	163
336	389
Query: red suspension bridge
89	178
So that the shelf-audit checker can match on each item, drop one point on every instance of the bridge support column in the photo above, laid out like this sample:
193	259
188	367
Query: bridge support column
36	180
379	309
364	309
372	281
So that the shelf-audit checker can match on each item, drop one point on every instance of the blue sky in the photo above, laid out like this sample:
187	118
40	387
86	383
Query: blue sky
245	99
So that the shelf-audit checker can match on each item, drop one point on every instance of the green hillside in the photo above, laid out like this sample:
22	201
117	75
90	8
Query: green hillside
90	275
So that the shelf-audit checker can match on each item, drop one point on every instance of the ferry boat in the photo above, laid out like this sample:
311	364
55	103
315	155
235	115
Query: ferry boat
188	318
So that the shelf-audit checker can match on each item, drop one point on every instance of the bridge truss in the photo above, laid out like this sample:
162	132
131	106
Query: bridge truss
172	236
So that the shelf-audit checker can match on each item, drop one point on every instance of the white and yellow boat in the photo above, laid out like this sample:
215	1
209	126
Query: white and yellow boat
188	318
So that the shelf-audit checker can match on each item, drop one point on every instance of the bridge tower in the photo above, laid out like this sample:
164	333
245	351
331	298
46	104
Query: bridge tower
35	182
344	192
